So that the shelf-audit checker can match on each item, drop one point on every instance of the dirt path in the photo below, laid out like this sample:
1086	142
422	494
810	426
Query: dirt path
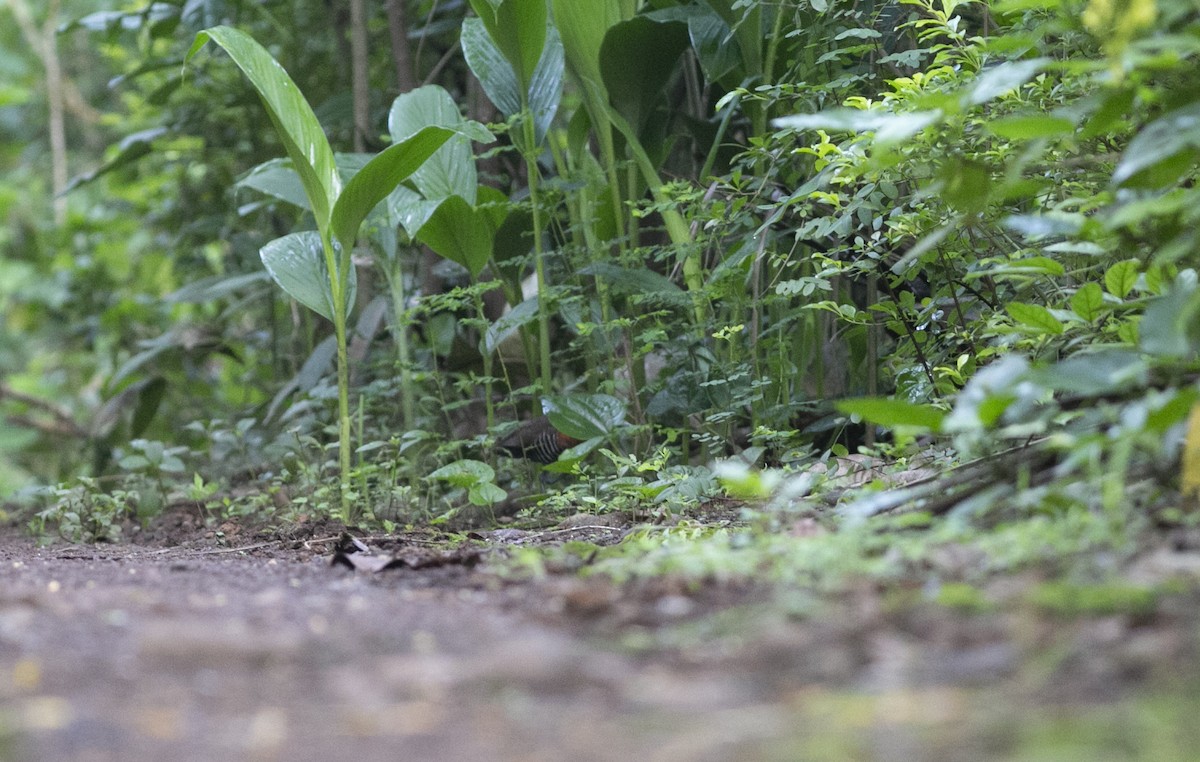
128	653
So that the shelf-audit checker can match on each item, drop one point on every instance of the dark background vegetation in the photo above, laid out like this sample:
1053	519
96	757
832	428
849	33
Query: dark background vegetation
974	221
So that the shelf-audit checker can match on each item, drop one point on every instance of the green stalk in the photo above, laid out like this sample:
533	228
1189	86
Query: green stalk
529	152
395	279
339	276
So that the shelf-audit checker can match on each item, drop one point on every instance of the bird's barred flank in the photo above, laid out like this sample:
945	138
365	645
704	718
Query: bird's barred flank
538	441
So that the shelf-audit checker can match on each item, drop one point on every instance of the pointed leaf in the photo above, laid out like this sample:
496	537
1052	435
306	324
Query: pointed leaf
1121	278
1035	317
450	171
293	118
509	323
636	91
491	68
584	416
894	412
461	233
1088	301
276	178
380	177
297	263
518	27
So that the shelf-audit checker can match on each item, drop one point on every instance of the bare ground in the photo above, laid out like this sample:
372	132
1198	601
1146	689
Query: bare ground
193	645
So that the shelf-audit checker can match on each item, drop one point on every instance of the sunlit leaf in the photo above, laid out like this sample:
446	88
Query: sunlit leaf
893	412
293	118
1034	317
297	263
583	416
1121	278
380	177
1088	301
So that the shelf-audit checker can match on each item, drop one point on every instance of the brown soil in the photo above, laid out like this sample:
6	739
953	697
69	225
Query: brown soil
200	644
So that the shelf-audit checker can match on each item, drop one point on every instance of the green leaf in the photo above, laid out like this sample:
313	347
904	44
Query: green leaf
276	178
150	396
584	416
461	233
491	68
297	263
518	27
965	185
464	473
889	128
1034	317
380	177
1094	373
293	118
711	39
582	27
1088	301
1171	325
509	323
636	91
450	171
1027	127
500	82
1121	278
1162	151
484	494
893	412
1001	79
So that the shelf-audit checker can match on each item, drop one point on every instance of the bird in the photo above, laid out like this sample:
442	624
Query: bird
538	441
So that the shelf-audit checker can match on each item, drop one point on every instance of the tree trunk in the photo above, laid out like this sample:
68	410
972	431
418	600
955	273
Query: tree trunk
397	15
359	73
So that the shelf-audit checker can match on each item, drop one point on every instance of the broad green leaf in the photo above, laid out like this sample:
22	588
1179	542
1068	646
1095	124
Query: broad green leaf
509	323
966	185
889	128
464	473
1001	79
988	394
293	118
628	281
380	177
150	396
276	178
582	27
894	412
461	233
1027	127
499	81
297	263
1171	325
572	455
1094	373
450	171
491	68
545	91
1163	150
484	494
518	27
1034	317
1088	301
584	416
636	91
710	36
410	210
1121	278
746	21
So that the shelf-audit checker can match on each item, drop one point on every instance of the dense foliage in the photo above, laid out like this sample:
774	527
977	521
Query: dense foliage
763	235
